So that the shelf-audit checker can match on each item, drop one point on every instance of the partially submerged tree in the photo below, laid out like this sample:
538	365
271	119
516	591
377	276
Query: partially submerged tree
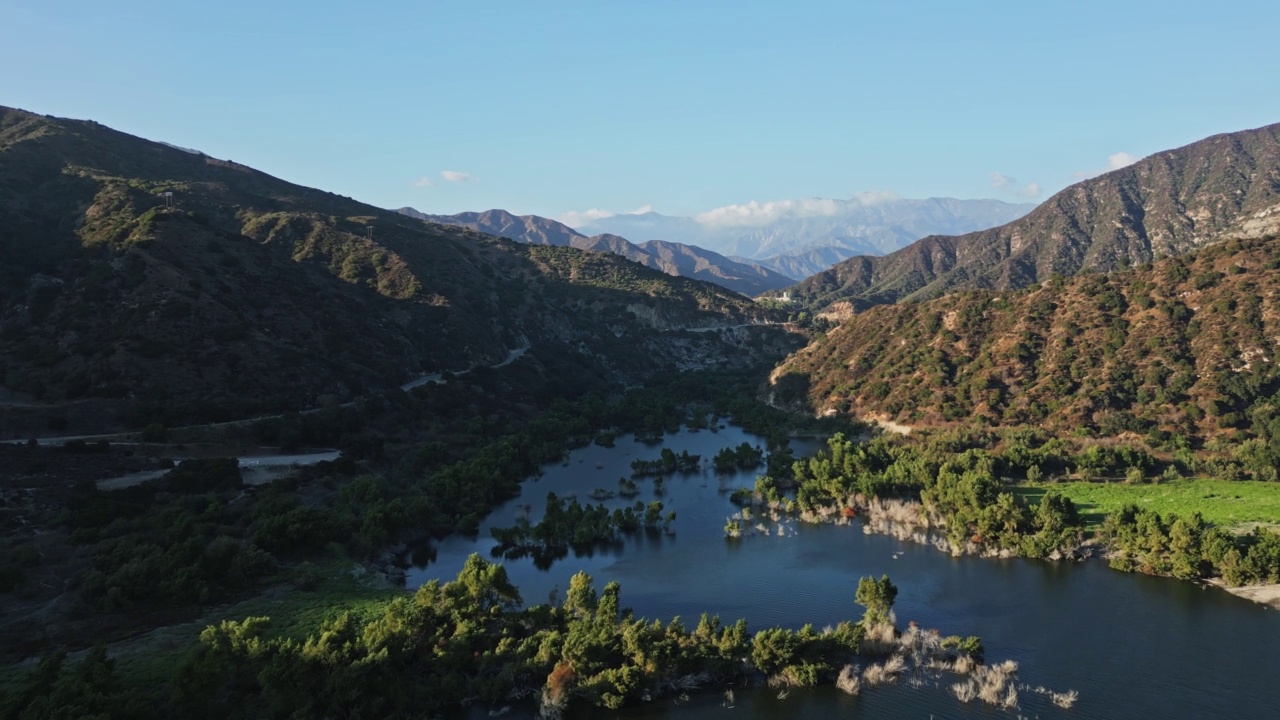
877	597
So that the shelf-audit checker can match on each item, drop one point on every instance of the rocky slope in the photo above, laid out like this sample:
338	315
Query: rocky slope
1182	347
1167	204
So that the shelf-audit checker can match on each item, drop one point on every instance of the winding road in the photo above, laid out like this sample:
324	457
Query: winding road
430	379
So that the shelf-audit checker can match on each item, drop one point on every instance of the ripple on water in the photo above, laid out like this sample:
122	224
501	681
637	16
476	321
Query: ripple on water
1133	646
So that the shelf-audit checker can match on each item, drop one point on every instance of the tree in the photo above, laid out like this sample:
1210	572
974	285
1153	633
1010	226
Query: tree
1056	513
487	585
773	649
1184	546
877	597
581	597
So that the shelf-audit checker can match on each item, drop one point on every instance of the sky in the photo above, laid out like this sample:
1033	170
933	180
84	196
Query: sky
562	108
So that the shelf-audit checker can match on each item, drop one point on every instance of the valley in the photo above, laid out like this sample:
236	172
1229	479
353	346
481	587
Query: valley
270	451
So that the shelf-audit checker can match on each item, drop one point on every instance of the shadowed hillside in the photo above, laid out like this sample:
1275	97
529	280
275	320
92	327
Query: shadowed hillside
243	293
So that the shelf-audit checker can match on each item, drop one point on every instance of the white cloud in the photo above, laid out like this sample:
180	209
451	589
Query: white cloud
1114	162
457	176
423	182
749	214
574	218
756	213
874	197
1000	181
1120	160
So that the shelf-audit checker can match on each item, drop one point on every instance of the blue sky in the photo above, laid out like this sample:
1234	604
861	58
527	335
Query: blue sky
550	107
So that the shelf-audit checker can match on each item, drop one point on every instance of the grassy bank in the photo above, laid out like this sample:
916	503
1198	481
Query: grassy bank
297	608
1223	503
298	604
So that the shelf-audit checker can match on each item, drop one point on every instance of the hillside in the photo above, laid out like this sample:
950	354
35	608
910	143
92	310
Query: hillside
1167	204
251	294
692	262
527	229
1182	347
671	258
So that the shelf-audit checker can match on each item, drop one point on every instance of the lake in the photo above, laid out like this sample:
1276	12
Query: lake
1133	646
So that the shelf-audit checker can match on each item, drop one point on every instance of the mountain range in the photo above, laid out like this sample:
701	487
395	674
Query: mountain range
174	285
1140	301
161	285
668	257
800	237
1225	186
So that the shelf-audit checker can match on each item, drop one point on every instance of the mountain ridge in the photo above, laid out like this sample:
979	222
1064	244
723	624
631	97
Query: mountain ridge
1227	185
774	233
746	277
1181	347
175	287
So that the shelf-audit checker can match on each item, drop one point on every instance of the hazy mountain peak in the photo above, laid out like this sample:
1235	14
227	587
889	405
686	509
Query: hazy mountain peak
1169	203
773	232
671	258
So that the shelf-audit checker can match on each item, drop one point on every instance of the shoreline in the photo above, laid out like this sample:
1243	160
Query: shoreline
1268	595
900	520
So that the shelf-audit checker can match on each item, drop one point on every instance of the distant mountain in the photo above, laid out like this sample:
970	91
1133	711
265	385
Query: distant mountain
527	229
870	224
671	258
686	260
652	226
803	263
167	286
1168	204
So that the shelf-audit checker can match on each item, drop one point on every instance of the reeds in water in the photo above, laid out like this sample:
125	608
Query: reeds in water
692	681
885	672
895	664
965	691
880	640
1065	700
1010	700
995	683
848	681
874	675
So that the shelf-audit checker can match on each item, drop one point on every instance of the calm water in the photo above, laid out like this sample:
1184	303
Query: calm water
1134	646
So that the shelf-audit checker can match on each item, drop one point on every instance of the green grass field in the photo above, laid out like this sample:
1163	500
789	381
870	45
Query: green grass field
1221	502
150	658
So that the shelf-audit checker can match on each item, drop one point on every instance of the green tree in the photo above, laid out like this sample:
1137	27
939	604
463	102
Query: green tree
877	597
581	597
487	585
